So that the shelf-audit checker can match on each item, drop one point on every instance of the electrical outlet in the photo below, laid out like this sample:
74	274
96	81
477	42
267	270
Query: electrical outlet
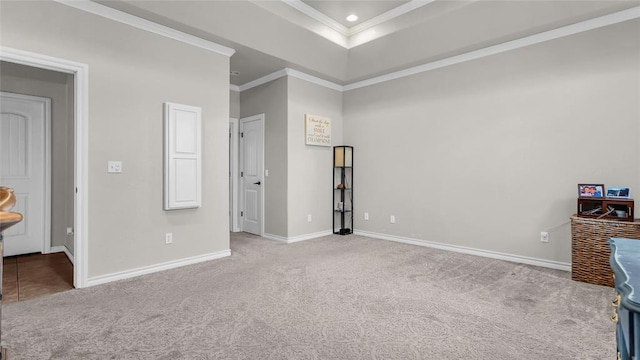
168	238
544	236
366	216
309	217
392	219
114	167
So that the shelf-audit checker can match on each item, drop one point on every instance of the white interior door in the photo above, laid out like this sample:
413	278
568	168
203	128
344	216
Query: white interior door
24	167
251	170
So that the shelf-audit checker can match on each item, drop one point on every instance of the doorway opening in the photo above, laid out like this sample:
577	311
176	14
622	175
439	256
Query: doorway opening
78	135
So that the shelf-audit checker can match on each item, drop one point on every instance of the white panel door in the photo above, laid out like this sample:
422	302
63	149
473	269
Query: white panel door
23	124
251	170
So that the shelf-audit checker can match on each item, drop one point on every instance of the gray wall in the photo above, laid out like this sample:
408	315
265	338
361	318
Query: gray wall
234	107
299	175
59	88
131	74
310	167
271	99
487	154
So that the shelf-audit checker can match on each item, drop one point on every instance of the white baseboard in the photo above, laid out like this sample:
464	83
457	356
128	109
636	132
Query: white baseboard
293	239
62	248
471	251
103	279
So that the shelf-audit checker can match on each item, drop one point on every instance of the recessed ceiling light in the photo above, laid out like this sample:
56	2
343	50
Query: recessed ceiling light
352	18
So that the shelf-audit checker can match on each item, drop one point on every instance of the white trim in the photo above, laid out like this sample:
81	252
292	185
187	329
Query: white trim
235	88
121	275
233	158
81	162
471	251
275	237
344	33
146	25
387	16
294	239
61	248
290	72
263	80
560	32
318	16
573	29
48	143
313	79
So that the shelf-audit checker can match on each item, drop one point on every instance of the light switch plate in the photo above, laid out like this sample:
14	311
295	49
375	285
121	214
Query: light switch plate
114	167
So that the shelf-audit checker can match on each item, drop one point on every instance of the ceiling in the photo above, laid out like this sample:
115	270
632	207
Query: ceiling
269	35
365	10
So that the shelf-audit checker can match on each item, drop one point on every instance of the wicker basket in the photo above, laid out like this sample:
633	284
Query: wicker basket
590	249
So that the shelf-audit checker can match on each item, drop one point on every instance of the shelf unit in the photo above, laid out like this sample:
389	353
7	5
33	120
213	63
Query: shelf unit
342	190
591	207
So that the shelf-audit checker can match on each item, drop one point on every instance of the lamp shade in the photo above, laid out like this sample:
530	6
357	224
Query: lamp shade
343	156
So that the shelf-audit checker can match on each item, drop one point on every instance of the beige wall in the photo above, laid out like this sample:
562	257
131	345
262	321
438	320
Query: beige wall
487	154
58	87
310	167
131	74
271	100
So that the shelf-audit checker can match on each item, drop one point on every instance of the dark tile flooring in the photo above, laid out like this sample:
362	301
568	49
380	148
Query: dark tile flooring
33	275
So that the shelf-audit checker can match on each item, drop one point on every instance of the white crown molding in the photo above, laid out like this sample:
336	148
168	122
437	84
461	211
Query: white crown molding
288	72
387	16
318	16
137	22
313	79
235	88
576	28
573	29
343	37
263	80
470	251
103	279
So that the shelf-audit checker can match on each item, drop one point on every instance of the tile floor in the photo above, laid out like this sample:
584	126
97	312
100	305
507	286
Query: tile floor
33	275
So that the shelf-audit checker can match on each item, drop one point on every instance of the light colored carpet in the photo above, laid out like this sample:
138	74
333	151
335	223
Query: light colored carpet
335	297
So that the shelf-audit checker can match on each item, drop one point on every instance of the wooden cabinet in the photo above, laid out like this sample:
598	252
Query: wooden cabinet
626	305
606	208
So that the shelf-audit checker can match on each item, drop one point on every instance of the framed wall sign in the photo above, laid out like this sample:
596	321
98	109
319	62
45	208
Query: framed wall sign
317	130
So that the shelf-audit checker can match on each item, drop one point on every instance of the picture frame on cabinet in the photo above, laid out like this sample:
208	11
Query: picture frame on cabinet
591	190
617	192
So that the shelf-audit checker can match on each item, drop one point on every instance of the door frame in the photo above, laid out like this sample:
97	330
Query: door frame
80	74
259	117
234	131
45	246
